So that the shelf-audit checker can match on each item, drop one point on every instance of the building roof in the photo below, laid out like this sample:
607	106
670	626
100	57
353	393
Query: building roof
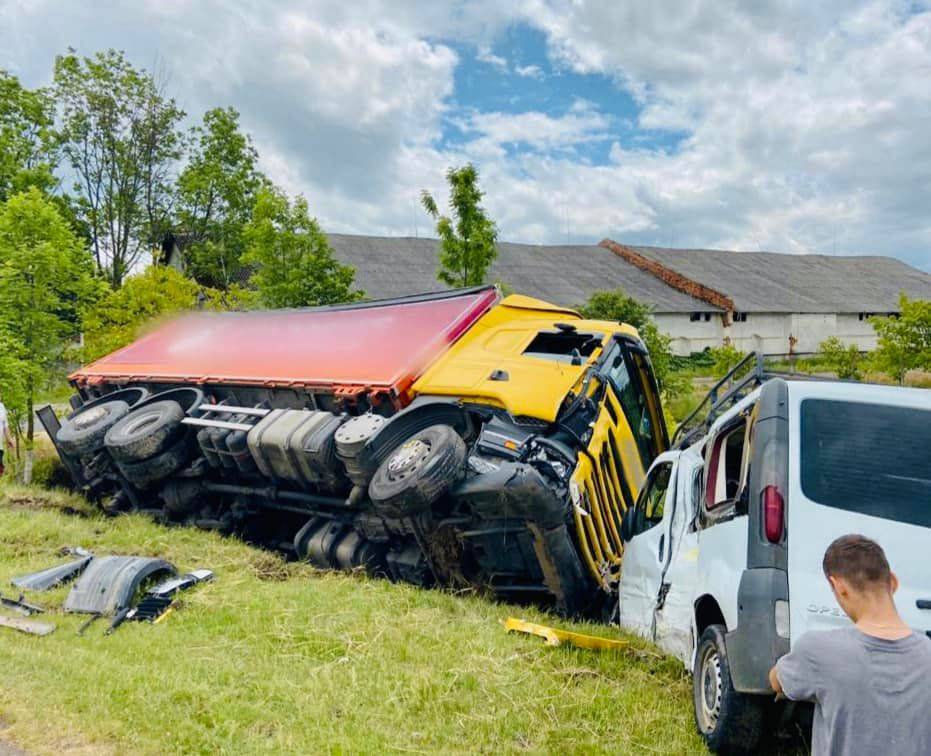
563	274
773	282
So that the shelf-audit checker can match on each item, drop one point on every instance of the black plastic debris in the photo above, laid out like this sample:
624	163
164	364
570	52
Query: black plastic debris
49	578
109	583
20	605
157	600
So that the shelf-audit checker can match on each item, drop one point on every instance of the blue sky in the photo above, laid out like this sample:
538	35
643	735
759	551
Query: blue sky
780	126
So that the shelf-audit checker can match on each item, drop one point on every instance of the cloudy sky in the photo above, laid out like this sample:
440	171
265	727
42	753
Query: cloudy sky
789	125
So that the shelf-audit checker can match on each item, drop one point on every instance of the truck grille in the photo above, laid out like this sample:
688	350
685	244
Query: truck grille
605	483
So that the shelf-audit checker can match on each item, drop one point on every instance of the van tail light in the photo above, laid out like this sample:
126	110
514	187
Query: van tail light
773	514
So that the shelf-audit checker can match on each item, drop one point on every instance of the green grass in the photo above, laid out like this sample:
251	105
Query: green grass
277	657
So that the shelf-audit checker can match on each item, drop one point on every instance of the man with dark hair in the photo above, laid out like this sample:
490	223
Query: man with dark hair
870	683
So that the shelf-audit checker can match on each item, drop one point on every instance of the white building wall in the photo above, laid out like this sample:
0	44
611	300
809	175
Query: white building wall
769	333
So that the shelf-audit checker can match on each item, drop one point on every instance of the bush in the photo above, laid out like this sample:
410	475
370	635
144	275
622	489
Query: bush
843	359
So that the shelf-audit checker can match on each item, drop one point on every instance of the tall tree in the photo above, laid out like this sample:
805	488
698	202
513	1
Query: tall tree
45	278
905	340
216	192
468	239
119	134
294	264
27	149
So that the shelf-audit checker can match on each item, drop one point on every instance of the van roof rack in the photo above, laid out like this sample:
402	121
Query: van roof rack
739	381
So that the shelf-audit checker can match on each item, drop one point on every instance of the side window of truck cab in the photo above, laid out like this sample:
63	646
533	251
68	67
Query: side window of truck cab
727	468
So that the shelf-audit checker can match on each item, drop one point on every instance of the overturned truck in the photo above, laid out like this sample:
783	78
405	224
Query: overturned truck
457	438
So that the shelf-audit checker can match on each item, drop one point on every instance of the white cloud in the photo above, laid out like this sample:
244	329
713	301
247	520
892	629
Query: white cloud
803	126
529	72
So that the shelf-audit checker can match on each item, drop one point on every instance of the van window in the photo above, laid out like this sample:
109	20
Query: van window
651	502
726	467
868	458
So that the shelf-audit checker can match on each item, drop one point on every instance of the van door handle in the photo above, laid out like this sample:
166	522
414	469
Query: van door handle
662	546
923	603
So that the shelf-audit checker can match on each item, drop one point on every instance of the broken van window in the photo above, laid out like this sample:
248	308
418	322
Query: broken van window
562	346
869	458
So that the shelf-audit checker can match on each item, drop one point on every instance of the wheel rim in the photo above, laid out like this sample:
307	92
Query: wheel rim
709	690
141	423
89	418
408	459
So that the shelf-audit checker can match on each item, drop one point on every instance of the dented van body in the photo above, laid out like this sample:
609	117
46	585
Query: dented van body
456	438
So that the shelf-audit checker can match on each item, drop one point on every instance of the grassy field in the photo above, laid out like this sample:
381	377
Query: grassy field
276	657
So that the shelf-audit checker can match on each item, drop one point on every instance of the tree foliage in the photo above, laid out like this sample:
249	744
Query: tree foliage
905	340
216	194
27	148
294	264
844	359
45	280
120	137
619	306
468	238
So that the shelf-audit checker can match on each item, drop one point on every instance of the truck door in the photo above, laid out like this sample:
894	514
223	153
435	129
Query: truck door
646	553
859	462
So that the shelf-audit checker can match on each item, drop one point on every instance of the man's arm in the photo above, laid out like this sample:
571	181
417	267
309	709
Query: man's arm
796	675
776	685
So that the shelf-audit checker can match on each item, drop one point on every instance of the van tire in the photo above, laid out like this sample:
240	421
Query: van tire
418	472
83	433
145	432
728	721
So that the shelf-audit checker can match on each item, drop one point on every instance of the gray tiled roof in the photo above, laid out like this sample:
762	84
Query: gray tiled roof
773	282
562	274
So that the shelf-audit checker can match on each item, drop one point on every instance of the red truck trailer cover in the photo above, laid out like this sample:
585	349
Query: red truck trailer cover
374	347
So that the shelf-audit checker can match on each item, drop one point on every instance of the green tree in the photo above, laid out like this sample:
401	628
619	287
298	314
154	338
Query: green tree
904	340
468	239
216	193
294	264
618	306
45	279
725	358
27	149
843	359
119	134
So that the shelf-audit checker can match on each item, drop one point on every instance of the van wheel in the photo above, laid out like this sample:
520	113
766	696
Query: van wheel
728	721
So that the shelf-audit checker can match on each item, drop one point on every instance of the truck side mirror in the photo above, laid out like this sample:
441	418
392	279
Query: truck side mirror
628	523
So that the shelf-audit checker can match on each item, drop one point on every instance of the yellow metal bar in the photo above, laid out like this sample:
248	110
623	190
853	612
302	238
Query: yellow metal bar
556	637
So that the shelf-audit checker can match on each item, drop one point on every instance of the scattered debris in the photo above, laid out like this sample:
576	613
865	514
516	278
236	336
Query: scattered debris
555	637
26	625
109	583
20	605
53	576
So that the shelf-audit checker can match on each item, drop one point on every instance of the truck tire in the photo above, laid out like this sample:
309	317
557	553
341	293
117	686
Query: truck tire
147	471
418	472
728	721
145	432
83	433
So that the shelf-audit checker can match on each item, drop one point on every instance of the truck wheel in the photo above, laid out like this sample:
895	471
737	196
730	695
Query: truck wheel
163	464
418	472
83	434
728	721
144	432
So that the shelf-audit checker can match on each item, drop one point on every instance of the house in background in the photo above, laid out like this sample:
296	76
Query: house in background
764	301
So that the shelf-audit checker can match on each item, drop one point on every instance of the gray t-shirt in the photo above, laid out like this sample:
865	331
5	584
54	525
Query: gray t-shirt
871	695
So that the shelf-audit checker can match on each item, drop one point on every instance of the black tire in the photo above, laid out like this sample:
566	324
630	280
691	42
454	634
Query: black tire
145	472
418	472
145	432
83	433
729	722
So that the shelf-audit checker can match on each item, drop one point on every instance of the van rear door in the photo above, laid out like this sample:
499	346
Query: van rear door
860	462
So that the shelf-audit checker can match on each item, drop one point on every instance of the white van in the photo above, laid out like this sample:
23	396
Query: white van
722	562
